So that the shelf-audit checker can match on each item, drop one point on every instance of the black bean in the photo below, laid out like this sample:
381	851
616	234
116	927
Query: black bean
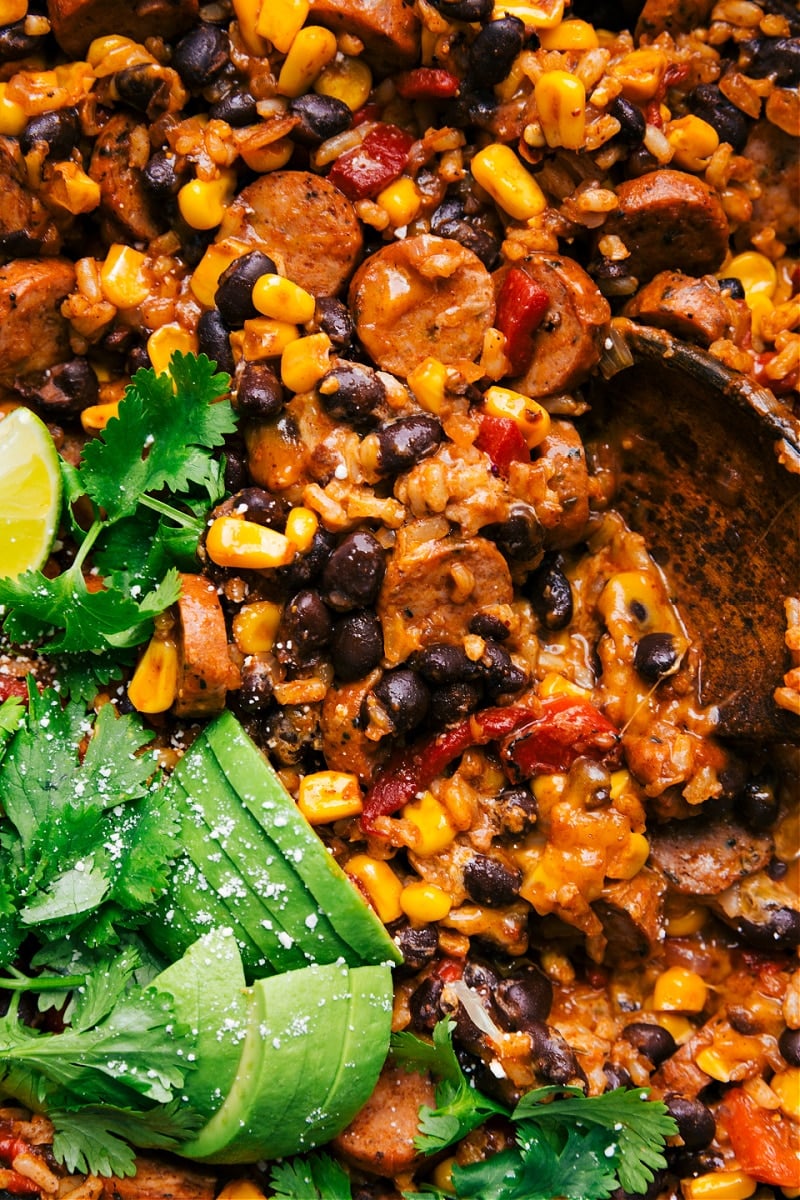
553	1056
616	1077
654	1041
442	663
213	338
258	505
758	805
518	538
201	55
655	656
654	1190
143	87
479	976
259	392
688	1164
356	645
789	1046
354	572
472	11
424	1003
15	43
453	702
237	107
305	625
498	672
780	930
256	690
333	317
67	388
352	393
321	117
712	106
283	739
234	294
550	593
473	106
405	442
777	57
486	625
160	176
631	119
403	697
777	869
305	568
236	473
696	1124
451	222
524	999
489	881
418	944
516	809
59	129
494	50
733	286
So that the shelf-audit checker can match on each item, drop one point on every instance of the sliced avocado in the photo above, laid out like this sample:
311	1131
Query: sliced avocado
287	1095
263	794
208	987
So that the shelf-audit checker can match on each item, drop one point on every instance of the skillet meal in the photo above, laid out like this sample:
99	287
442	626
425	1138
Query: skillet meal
400	662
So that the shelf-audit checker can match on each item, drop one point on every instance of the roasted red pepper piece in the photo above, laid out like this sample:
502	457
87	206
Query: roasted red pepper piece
521	305
18	1185
501	438
363	171
426	83
764	1144
10	1147
410	771
12	685
567	729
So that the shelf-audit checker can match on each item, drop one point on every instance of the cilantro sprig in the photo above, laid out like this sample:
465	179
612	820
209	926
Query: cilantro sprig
567	1144
149	478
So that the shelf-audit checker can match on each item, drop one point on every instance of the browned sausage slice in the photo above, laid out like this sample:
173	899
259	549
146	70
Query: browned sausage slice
302	221
567	344
631	911
205	670
155	1180
25	225
120	154
380	1139
76	23
563	450
671	16
344	744
695	309
703	858
389	29
33	334
776	162
431	592
419	297
669	221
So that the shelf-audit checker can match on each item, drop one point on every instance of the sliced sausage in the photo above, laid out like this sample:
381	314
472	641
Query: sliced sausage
701	857
563	450
567	344
432	591
76	23
33	334
380	1138
205	670
389	29
155	1180
25	225
423	296
121	152
344	743
304	223
697	310
669	220
631	912
776	163
671	16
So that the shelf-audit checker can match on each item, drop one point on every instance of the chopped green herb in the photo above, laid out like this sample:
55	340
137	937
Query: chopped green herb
310	1177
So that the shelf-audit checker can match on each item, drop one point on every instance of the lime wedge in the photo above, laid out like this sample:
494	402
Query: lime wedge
30	492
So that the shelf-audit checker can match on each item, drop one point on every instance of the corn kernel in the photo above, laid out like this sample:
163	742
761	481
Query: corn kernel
12	11
786	1086
13	117
531	418
432	821
380	883
218	256
501	173
561	105
722	1185
234	542
264	337
442	1176
311	50
72	189
756	273
544	15
693	141
202	202
301	526
681	1028
620	782
280	21
714	1064
240	1189
684	924
154	684
305	361
554	684
255	626
401	200
569	35
679	990
163	342
283	300
629	860
640	74
123	278
114	52
425	902
348	79
269	157
96	416
247	12
329	796
427	382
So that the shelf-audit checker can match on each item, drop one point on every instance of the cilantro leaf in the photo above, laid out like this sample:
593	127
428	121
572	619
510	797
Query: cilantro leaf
310	1177
90	1139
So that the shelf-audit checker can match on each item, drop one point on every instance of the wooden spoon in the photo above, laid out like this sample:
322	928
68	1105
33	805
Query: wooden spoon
710	475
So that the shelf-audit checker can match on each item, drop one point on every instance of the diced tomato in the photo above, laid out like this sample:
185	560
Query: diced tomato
18	1185
652	114
567	729
448	969
780	387
501	438
10	1147
366	169
367	112
765	1144
427	83
13	685
521	305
